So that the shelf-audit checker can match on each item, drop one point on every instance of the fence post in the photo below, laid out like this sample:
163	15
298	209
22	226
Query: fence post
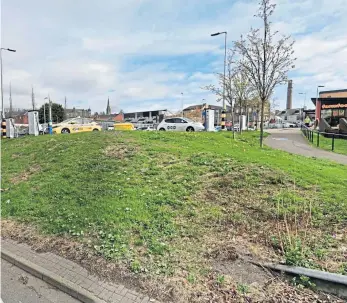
333	143
318	139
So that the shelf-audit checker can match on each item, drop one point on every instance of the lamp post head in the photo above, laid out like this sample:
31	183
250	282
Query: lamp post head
216	34
11	50
321	86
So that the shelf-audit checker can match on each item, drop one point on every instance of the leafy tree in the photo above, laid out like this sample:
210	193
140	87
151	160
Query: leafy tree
265	58
57	113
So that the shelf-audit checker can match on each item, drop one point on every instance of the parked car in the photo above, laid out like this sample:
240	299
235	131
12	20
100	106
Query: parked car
180	124
289	125
124	126
146	128
71	127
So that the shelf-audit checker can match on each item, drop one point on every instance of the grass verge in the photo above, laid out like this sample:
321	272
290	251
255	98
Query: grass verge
340	145
183	207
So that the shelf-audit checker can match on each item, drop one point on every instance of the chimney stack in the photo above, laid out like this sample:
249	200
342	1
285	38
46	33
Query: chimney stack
290	94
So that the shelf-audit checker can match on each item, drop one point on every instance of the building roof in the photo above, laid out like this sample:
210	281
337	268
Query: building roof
107	117
146	111
210	106
333	91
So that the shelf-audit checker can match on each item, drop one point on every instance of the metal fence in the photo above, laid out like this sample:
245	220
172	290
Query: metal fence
328	139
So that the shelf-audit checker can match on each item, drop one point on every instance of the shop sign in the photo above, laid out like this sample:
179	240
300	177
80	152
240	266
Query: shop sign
334	106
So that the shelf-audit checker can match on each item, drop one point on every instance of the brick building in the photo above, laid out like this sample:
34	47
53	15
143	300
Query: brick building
331	106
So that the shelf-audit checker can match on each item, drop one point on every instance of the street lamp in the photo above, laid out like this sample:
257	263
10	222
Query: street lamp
2	91
303	113
304	98
225	58
182	104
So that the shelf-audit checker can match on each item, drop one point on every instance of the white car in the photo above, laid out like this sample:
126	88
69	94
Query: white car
180	124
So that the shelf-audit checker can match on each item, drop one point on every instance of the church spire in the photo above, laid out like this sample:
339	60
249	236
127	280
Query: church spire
108	108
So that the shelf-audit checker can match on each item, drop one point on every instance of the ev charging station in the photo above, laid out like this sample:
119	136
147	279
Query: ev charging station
243	122
10	128
33	119
209	125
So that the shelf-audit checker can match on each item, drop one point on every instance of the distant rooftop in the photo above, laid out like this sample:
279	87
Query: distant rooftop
333	91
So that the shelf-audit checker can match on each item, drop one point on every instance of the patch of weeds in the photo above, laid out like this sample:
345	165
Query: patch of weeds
191	278
320	253
297	254
343	269
243	288
220	280
303	282
135	266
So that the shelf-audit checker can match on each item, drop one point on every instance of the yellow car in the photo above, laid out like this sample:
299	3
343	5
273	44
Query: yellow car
73	127
124	126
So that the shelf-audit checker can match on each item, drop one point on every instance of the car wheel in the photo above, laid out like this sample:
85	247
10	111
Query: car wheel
162	129
65	131
95	130
190	129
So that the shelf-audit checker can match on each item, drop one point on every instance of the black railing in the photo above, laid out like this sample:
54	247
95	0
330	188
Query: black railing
314	136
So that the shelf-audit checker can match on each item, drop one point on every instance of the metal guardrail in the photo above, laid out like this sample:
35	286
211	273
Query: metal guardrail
310	134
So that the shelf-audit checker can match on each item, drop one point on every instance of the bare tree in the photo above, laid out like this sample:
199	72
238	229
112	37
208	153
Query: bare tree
272	106
238	89
218	89
265	58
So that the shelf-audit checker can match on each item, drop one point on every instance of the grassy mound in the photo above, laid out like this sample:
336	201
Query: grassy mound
180	206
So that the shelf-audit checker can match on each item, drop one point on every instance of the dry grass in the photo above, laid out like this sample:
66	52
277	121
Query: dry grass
25	175
120	151
166	289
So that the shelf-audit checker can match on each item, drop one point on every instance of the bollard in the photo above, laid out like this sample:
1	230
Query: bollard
318	139
333	143
3	128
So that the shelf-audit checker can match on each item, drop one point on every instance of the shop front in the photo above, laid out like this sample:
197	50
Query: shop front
331	106
331	111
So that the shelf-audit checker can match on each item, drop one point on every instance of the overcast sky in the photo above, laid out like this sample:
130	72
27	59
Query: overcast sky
144	53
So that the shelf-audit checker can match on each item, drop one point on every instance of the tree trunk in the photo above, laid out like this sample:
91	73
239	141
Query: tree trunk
262	122
233	120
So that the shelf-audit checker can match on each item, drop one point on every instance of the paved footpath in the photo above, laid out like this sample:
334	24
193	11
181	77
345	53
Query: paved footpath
293	141
19	286
74	273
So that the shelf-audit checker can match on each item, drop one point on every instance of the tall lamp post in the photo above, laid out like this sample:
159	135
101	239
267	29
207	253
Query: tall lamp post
303	115
50	129
2	90
225	58
182	103
304	98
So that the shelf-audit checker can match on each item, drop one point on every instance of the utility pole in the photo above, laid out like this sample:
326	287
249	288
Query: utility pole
2	91
50	117
65	109
32	97
10	101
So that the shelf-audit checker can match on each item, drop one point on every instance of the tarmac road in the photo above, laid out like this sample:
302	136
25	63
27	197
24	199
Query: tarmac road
291	140
18	286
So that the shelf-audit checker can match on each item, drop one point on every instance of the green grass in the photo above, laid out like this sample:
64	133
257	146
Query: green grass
340	145
140	197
